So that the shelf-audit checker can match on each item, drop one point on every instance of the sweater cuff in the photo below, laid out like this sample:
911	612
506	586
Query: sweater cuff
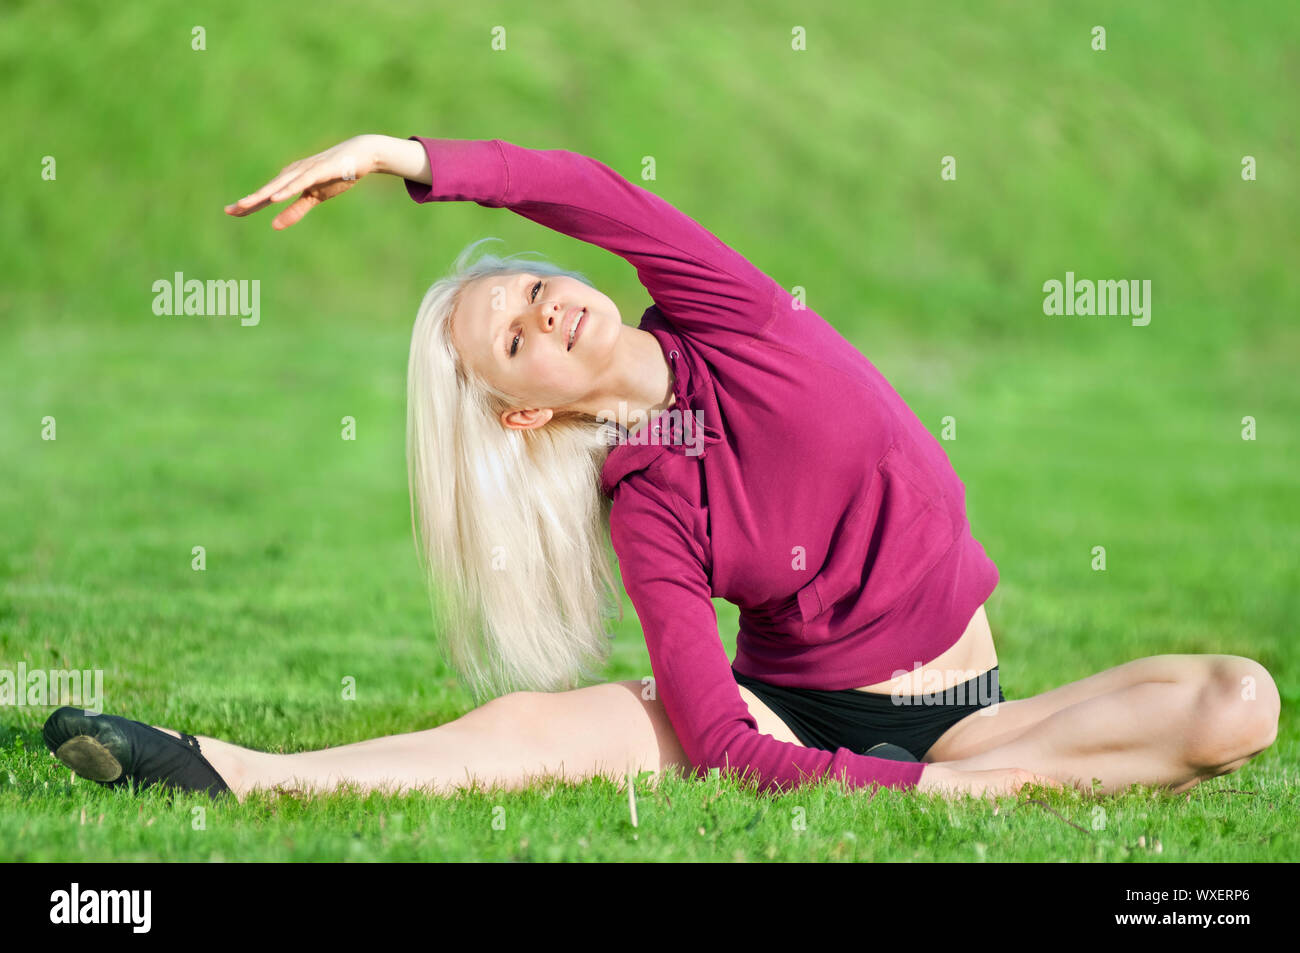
462	170
899	775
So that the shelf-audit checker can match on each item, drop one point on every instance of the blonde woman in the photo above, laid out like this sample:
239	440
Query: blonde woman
732	444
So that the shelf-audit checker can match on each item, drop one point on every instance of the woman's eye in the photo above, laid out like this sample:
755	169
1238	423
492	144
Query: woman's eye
532	296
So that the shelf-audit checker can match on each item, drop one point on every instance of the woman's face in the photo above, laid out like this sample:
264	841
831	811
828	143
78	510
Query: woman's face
514	331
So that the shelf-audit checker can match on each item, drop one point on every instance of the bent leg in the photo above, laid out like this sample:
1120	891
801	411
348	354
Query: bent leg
1001	724
1171	734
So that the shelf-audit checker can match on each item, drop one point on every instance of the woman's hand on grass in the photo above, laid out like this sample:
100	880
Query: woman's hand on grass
317	178
941	778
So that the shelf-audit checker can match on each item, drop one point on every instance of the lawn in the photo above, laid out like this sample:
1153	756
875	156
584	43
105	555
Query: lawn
823	166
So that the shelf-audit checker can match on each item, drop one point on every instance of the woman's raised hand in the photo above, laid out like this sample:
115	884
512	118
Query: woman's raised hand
317	178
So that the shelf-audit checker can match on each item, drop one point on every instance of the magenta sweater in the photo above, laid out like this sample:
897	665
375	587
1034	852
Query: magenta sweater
799	486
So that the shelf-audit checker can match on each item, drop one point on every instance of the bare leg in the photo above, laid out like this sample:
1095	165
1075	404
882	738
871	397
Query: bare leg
510	741
1163	720
1171	734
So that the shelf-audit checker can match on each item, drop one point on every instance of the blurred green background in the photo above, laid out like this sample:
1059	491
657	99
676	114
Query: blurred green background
820	165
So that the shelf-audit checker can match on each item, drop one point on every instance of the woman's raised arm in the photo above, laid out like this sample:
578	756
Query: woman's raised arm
703	286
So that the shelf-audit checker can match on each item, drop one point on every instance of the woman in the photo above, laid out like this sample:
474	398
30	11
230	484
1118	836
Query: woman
736	446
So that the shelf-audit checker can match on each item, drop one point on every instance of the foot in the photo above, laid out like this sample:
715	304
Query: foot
112	751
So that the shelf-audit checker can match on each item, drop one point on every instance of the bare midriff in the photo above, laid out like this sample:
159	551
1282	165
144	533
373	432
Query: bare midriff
971	655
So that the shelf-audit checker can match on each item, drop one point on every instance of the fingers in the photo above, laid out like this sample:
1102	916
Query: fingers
989	784
1040	780
242	207
1046	781
310	175
260	199
294	213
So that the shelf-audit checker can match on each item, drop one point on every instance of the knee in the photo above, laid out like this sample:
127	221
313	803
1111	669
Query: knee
1238	709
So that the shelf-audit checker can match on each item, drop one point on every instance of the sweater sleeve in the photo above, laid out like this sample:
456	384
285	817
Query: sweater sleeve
662	568
701	285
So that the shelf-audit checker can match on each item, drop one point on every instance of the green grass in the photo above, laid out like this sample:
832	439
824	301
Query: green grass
821	166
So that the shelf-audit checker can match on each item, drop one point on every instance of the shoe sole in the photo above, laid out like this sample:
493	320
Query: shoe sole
89	759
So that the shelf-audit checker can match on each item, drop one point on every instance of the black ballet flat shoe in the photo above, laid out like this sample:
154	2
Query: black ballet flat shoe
890	752
112	750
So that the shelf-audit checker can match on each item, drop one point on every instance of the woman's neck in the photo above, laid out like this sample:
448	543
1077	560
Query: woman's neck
639	382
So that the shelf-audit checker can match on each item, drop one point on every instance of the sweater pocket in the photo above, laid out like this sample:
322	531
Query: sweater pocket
884	548
783	617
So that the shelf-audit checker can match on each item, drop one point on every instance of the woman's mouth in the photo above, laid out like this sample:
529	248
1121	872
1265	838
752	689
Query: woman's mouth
575	326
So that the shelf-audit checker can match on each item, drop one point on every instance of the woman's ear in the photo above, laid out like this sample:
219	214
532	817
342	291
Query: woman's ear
526	419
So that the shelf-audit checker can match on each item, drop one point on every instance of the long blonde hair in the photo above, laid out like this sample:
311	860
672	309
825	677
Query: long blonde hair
510	525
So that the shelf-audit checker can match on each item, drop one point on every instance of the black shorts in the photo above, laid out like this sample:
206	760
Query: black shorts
860	720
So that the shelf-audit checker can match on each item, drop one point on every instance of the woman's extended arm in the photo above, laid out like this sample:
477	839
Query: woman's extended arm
700	284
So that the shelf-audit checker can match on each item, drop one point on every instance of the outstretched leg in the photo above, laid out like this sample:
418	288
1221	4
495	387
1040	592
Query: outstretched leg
1166	721
509	741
